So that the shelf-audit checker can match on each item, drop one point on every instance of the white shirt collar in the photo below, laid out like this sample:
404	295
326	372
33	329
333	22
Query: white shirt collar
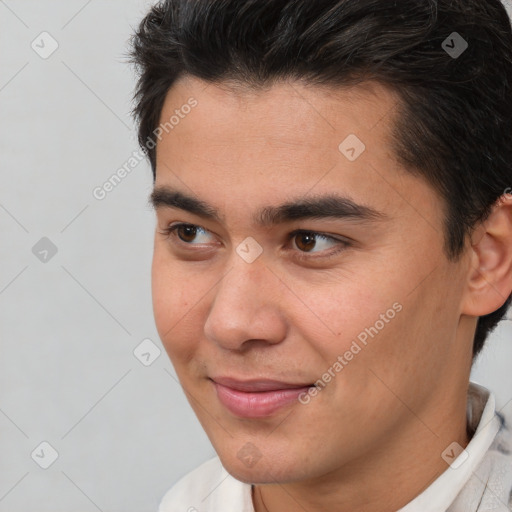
443	491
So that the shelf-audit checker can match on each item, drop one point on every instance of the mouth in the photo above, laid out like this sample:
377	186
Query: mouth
257	398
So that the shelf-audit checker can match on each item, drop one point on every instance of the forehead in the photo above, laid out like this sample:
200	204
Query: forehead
272	128
288	140
288	111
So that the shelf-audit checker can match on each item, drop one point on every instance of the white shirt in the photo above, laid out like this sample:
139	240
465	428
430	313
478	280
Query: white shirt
479	479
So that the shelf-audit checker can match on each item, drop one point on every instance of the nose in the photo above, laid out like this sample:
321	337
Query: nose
246	308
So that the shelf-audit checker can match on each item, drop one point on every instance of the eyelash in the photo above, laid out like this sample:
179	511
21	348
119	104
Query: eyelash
170	231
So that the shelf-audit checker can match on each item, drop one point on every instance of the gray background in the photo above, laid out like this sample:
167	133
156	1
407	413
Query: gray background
70	321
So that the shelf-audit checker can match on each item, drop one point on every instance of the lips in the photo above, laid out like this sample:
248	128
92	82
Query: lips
257	398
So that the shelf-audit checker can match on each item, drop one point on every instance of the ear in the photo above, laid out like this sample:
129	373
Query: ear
490	275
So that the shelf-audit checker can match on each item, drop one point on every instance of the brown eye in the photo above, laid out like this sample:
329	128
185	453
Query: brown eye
189	234
311	244
305	241
186	233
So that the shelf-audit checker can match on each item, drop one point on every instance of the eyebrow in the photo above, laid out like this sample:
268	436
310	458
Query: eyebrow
320	207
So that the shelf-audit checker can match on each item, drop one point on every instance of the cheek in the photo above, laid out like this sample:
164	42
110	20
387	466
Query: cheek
411	352
372	318
175	302
342	308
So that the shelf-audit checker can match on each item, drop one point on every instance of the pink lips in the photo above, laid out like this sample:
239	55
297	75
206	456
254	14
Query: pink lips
256	398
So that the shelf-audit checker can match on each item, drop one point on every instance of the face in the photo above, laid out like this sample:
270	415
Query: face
299	282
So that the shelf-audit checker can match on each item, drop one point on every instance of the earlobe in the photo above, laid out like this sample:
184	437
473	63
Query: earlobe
490	275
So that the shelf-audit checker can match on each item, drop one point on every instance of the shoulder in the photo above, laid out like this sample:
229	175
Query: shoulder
496	469
490	484
503	441
208	488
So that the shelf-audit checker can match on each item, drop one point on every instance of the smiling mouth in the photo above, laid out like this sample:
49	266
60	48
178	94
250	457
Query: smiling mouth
257	398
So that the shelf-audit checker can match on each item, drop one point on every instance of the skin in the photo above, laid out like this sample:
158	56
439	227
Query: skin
372	439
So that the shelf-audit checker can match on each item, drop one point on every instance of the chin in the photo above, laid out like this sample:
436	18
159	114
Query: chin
254	475
257	468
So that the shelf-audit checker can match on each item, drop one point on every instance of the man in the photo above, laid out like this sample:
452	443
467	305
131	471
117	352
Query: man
333	246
